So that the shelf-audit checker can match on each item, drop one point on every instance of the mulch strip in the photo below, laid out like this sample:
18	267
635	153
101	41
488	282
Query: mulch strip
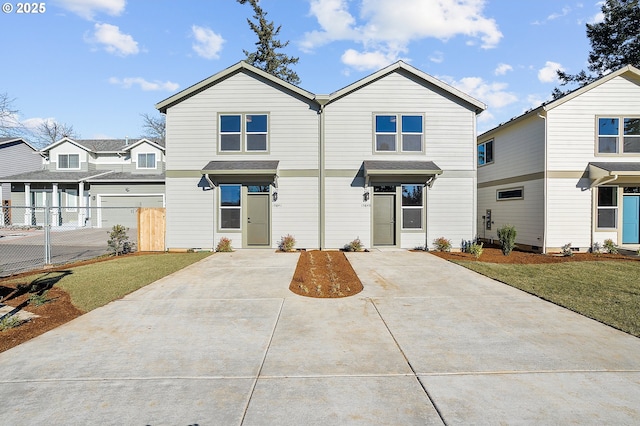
324	274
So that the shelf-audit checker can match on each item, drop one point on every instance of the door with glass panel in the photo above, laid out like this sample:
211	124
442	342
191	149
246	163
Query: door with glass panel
384	216
258	223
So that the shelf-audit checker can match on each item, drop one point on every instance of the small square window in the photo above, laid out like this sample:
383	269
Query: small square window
485	153
391	130
146	161
68	161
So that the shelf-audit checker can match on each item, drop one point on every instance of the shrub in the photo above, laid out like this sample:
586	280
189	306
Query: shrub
475	249
442	244
118	241
36	299
610	247
9	321
507	236
566	250
287	243
355	245
224	245
596	249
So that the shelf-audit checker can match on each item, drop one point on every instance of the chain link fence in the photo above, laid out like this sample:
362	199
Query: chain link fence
31	238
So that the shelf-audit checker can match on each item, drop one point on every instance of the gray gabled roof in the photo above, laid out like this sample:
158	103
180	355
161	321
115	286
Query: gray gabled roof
241	167
104	145
127	177
216	78
11	141
47	176
399	167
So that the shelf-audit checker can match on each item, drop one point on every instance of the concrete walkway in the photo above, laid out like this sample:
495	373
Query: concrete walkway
224	342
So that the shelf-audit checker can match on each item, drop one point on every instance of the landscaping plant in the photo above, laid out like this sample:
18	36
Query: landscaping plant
442	244
596	249
507	236
9	321
475	249
287	243
118	241
609	246
355	245
224	245
566	250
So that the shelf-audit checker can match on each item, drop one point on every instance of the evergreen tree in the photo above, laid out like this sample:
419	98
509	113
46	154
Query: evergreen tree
615	42
266	56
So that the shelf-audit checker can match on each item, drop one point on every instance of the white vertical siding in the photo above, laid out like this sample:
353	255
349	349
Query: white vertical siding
189	214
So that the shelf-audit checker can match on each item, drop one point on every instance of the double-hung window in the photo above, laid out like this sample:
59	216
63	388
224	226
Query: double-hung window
68	161
243	133
230	208
607	207
618	135
485	153
147	160
399	133
412	206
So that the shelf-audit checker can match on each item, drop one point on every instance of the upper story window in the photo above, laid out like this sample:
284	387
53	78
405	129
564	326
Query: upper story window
146	160
399	133
243	133
485	153
618	135
68	161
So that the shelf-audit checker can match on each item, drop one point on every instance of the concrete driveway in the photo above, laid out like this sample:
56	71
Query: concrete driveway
224	342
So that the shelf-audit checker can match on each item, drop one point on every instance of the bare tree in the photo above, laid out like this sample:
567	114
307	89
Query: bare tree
50	131
154	127
9	125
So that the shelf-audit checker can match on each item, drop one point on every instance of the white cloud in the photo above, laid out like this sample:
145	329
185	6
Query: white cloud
113	40
502	69
208	44
145	85
437	57
87	9
389	26
363	61
548	73
565	11
495	94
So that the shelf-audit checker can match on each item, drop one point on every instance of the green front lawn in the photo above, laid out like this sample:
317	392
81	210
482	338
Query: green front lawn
94	285
605	291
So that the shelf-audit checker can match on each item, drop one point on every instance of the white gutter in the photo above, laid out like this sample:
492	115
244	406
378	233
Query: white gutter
545	190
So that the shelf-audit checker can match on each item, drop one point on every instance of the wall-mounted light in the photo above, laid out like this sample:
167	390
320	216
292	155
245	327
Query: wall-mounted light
365	196
127	190
274	196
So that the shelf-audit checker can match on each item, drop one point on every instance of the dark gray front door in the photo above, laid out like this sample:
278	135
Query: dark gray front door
258	219
384	219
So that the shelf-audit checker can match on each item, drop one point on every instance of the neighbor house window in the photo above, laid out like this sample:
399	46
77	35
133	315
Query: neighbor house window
147	161
510	194
71	200
244	132
68	161
401	132
618	134
485	153
607	207
230	206
412	206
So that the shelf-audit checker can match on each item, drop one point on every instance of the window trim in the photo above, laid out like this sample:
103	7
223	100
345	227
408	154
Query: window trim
146	154
68	157
399	133
620	135
493	152
517	188
615	208
221	207
421	208
71	195
244	140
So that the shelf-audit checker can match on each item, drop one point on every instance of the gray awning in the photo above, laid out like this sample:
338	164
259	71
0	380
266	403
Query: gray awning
241	171
400	171
608	172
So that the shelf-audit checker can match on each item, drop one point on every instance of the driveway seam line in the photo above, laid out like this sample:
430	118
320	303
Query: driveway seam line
264	357
424	388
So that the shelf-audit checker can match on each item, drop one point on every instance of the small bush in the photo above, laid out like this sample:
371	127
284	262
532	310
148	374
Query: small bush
9	321
596	249
442	244
566	250
355	245
224	245
287	243
475	249
36	299
118	241
507	236
610	247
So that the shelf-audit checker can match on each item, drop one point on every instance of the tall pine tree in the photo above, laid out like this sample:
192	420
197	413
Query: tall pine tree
615	42
266	56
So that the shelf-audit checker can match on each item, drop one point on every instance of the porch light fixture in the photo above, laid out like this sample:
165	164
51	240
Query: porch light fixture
274	196
365	196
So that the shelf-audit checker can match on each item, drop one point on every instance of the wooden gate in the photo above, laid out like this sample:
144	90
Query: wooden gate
151	229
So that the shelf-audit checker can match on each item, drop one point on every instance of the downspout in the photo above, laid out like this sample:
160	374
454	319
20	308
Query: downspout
322	101
544	192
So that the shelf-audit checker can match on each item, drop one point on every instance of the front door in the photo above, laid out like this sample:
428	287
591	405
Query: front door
631	219
384	219
258	219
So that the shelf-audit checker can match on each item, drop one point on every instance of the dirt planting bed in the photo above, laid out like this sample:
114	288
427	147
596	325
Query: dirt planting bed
324	274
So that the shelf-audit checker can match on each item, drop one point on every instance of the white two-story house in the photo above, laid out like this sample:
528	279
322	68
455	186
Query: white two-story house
567	171
389	159
83	181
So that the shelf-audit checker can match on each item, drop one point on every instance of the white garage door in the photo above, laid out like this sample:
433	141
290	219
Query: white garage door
122	210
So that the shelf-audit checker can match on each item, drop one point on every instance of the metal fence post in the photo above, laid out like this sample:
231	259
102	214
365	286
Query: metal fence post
47	232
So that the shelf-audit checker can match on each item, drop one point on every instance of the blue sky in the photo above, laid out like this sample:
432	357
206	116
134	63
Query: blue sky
98	64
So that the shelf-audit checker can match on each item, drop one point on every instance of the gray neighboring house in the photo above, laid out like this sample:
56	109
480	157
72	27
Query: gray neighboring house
87	179
16	156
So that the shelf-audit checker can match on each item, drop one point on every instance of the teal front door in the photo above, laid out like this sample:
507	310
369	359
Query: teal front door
631	219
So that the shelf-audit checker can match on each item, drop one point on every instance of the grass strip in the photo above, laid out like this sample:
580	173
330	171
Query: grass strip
608	292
